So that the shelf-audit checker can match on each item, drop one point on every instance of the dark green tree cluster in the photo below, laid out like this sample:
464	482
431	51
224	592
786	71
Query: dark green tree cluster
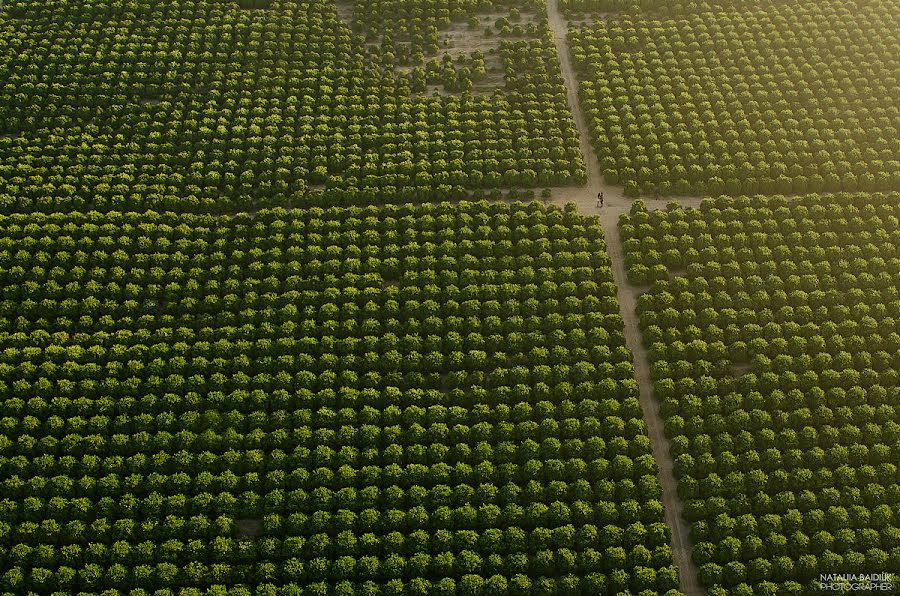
790	98
775	355
200	105
577	8
409	400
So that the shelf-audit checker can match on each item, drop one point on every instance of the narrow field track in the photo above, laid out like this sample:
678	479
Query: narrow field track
615	204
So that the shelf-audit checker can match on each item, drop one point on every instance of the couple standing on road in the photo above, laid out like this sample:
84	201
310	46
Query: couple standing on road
599	199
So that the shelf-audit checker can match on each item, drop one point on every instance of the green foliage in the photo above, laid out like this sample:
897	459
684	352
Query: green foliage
201	106
736	97
397	400
775	356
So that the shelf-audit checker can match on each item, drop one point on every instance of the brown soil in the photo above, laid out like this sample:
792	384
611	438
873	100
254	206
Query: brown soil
458	40
248	528
741	368
345	11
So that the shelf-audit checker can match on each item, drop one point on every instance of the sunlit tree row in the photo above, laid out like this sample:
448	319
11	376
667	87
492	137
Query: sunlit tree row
784	98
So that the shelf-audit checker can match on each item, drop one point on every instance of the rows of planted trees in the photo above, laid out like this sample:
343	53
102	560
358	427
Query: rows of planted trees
771	98
432	400
411	27
773	330
582	8
199	105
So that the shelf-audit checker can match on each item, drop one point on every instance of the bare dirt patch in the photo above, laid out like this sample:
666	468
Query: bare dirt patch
459	41
150	101
248	528
740	368
345	11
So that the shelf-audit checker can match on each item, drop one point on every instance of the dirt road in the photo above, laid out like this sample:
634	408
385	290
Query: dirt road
615	203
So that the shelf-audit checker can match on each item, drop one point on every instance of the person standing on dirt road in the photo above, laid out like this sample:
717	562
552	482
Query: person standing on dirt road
600	199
